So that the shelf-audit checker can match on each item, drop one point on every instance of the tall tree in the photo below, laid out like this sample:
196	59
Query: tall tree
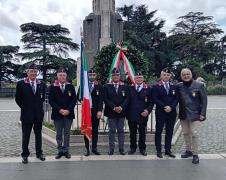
8	69
143	31
193	40
47	45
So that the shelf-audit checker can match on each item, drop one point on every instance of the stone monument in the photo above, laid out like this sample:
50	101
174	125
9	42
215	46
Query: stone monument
101	27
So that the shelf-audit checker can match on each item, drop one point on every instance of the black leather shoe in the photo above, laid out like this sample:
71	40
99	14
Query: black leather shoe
195	159
186	154
87	153
159	155
122	152
41	157
59	155
67	155
111	152
24	160
95	152
131	151
143	152
170	154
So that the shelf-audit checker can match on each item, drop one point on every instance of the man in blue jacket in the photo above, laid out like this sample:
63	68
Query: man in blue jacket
139	108
165	96
62	98
30	95
116	98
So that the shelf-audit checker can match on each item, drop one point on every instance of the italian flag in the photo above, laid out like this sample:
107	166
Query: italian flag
86	123
128	67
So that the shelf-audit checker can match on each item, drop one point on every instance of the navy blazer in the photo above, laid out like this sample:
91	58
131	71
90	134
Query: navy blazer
113	99
97	95
139	101
62	100
31	104
162	99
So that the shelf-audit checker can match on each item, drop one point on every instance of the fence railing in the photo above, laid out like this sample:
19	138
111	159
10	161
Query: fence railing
103	126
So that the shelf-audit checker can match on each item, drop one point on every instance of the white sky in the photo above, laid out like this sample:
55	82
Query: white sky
70	14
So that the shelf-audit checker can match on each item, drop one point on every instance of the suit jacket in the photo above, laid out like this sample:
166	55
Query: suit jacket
162	99
113	99
31	104
62	100
97	96
193	101
139	101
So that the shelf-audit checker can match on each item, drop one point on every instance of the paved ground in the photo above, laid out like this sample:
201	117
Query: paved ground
112	170
212	132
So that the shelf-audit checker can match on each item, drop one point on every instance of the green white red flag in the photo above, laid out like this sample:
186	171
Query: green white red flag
84	95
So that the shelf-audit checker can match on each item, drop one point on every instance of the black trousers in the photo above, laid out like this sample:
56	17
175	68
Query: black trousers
166	120
95	126
141	127
26	132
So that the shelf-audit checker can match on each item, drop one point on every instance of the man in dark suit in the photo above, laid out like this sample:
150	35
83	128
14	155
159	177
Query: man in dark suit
139	108
97	95
165	96
62	98
30	95
116	98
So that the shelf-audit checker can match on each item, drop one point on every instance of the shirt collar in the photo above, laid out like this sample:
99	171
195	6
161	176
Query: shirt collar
115	84
62	84
30	81
140	86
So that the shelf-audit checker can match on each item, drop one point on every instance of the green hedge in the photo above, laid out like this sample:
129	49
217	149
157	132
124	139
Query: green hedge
216	90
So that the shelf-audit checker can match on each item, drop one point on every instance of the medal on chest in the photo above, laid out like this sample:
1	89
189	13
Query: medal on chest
123	93
173	92
193	94
97	92
69	93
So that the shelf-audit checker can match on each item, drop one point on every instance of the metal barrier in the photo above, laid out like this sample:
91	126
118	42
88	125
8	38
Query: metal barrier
7	92
103	127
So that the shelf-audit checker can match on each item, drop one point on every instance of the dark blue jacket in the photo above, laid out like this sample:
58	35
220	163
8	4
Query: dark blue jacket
31	104
113	99
139	101
162	99
97	95
62	100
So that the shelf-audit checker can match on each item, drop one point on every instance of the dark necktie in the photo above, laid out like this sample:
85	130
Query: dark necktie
33	86
116	88
138	88
167	87
62	88
91	87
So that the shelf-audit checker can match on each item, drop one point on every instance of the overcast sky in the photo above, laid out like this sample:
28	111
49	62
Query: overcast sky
70	14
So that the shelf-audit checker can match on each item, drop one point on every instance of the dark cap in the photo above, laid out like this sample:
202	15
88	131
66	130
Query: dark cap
166	70
32	66
61	70
115	72
92	71
139	73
